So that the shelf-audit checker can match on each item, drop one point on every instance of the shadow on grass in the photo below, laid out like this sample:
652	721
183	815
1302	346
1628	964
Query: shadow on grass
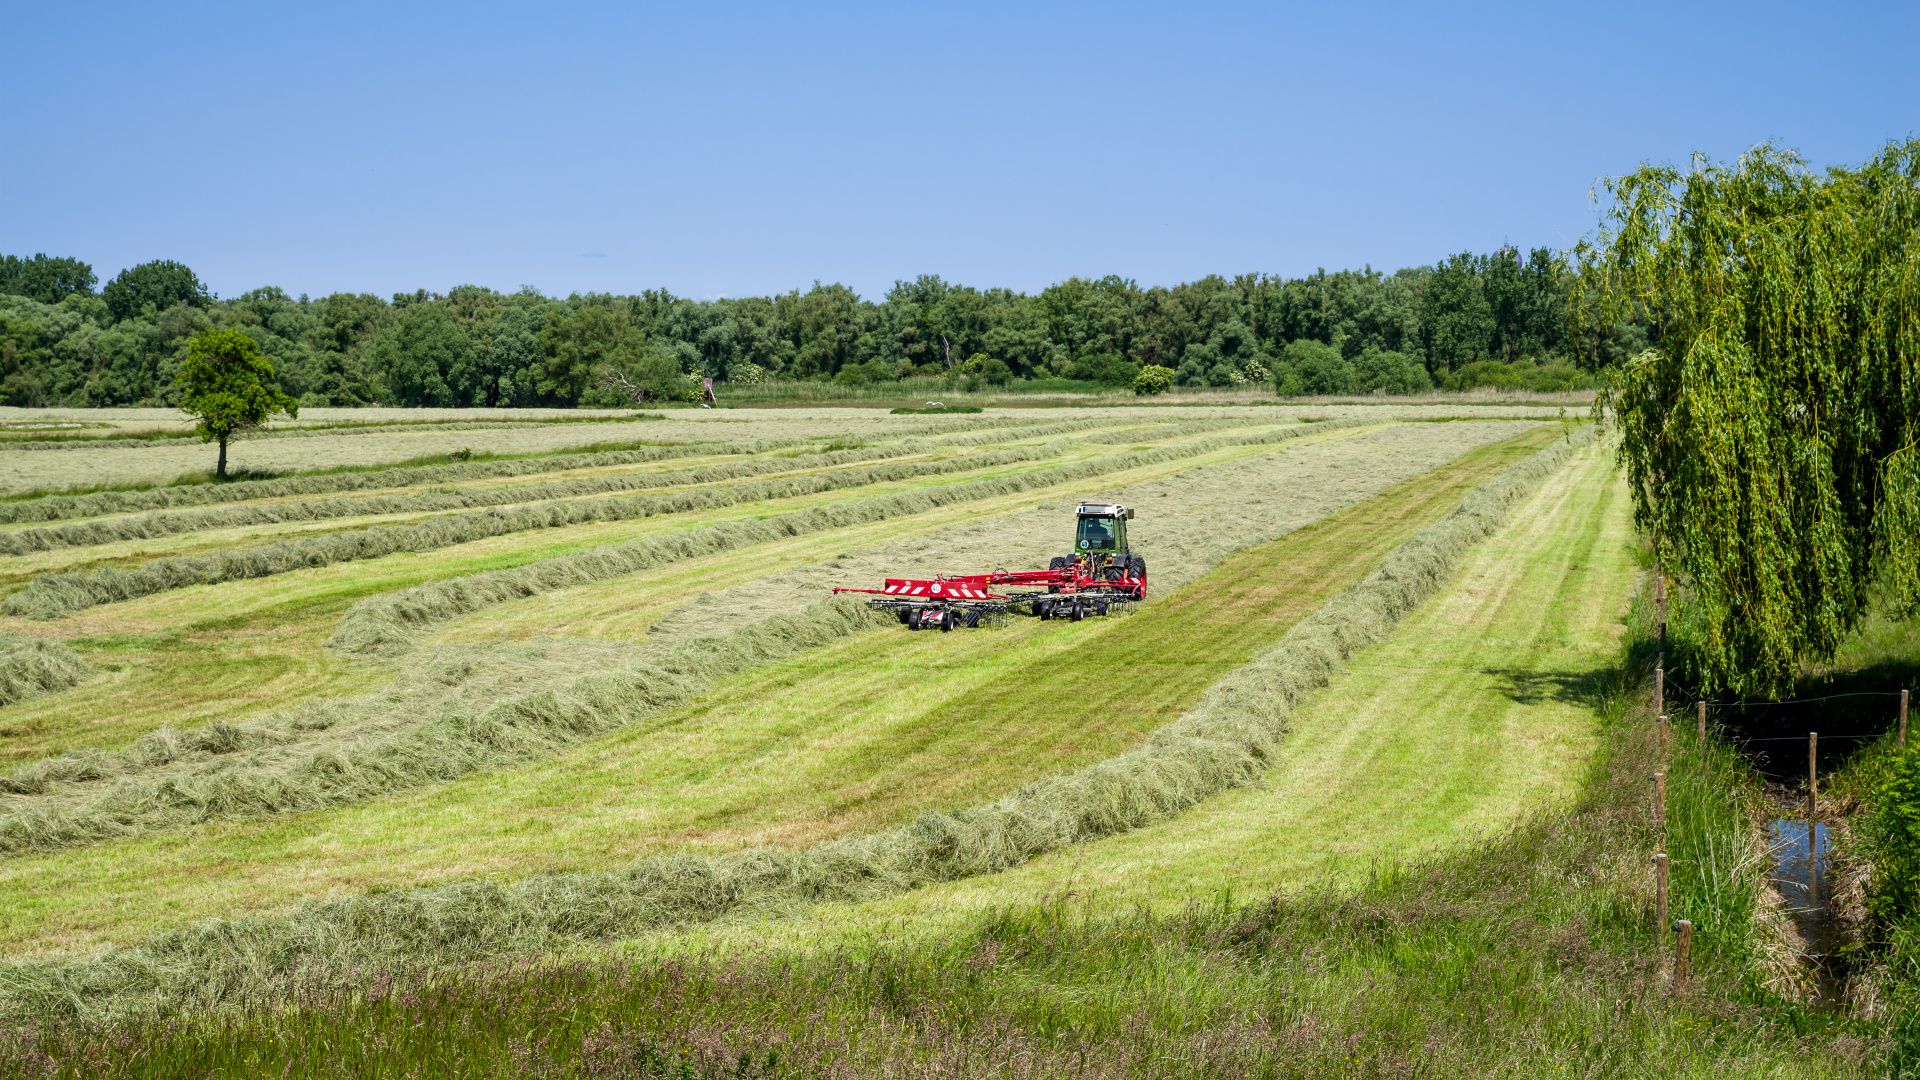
1526	687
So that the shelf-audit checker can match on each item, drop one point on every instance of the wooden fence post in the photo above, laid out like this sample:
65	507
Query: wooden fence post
1660	800
1903	719
1813	776
1663	732
1660	596
1685	929
1660	889
1660	684
1703	723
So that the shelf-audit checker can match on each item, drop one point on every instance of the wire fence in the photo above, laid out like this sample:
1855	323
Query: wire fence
1694	698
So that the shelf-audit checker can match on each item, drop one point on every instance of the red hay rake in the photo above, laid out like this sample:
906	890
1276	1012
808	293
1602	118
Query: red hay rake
1102	577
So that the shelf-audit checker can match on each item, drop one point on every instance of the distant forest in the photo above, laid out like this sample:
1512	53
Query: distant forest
1497	319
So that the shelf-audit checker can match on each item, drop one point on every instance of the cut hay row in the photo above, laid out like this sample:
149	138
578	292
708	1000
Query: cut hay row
1224	742
31	667
162	523
195	772
1190	427
96	504
1138	431
317	432
385	624
442	748
55	596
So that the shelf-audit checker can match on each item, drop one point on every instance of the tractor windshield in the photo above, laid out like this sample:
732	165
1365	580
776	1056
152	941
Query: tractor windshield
1096	534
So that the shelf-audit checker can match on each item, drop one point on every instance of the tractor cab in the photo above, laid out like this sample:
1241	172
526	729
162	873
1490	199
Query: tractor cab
1101	530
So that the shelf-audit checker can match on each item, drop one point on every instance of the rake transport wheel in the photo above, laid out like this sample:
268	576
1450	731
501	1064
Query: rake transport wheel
946	622
913	618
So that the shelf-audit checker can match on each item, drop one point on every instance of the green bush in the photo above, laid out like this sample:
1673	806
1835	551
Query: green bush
1893	837
873	371
1112	369
1384	372
1307	367
1153	379
1525	374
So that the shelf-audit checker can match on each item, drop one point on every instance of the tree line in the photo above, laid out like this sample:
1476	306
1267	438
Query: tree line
1468	319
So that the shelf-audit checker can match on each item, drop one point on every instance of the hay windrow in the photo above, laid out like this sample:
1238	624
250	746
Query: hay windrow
33	667
53	596
1223	742
383	625
242	781
174	522
62	507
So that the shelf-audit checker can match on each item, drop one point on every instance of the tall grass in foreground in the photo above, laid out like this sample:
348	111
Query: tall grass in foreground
1531	954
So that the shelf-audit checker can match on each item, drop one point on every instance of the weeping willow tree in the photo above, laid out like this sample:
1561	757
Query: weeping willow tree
1770	439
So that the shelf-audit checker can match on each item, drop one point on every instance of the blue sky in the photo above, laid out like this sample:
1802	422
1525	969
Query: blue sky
746	149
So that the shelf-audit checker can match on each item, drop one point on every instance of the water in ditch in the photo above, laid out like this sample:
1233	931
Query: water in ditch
1800	865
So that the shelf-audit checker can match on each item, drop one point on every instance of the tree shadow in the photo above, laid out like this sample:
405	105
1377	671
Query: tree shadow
1530	687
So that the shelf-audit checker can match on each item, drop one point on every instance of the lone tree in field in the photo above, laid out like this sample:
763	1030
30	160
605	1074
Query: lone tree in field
229	388
1771	438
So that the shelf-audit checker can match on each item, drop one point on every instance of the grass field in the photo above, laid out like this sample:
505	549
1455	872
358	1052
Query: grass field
1254	896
